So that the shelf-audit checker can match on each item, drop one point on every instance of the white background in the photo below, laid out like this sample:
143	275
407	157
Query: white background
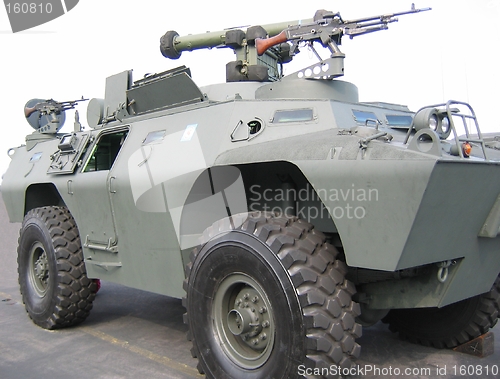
451	52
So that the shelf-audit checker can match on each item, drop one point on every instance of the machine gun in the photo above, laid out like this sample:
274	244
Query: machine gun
261	50
328	28
51	106
50	117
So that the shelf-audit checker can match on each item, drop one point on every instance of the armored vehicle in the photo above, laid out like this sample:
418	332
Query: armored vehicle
284	212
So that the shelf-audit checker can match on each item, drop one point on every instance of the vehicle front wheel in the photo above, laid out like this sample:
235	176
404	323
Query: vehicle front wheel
52	276
266	298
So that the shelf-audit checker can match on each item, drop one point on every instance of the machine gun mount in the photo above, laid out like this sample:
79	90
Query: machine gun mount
262	50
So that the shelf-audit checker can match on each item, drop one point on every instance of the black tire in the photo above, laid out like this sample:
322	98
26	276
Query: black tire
52	275
282	268
449	326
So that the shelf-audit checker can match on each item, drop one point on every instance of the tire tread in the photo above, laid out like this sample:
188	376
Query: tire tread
75	292
484	317
319	280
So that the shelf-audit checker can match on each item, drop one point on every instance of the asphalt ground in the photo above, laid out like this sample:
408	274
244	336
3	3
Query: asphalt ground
140	335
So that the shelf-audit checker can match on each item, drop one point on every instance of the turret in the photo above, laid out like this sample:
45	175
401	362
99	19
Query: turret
261	50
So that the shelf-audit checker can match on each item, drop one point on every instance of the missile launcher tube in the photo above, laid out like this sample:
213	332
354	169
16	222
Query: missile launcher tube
172	45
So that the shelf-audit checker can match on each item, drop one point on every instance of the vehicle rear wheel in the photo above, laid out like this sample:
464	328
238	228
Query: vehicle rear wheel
266	298
449	326
52	276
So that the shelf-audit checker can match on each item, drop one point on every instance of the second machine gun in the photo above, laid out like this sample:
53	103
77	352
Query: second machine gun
47	116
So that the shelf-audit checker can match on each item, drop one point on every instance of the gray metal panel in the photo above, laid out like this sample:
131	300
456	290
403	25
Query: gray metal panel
116	87
65	162
448	222
373	204
164	93
309	89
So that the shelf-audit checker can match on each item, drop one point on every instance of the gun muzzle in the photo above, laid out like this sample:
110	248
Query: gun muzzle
172	45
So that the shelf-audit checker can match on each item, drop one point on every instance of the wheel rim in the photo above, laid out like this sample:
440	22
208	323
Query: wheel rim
244	321
39	269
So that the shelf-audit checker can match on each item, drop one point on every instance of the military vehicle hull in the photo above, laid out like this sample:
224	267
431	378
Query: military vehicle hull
282	210
383	201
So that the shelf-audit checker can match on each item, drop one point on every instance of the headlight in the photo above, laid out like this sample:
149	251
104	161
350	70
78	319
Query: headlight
426	118
431	118
433	122
445	126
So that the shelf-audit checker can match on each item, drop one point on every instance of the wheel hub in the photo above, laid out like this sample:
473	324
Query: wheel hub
42	267
244	321
39	269
249	319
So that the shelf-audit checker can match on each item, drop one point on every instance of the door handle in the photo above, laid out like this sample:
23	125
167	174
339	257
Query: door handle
111	186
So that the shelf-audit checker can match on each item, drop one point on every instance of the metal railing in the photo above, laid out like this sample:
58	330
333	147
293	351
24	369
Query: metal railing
455	113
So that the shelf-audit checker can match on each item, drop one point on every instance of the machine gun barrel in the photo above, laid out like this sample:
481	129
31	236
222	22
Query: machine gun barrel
331	26
384	17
